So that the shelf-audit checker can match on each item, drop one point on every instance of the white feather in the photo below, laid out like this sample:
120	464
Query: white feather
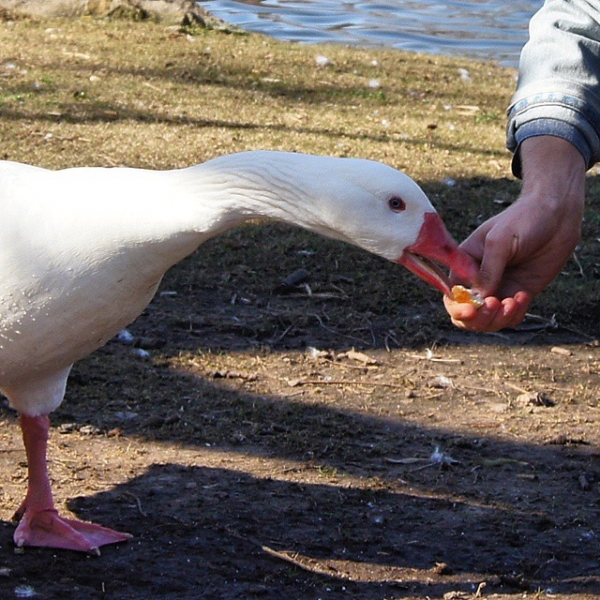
83	250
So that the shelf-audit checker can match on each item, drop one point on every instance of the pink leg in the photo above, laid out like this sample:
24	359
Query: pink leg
39	522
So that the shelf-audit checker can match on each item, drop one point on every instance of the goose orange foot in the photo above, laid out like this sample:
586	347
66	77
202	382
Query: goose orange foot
47	529
39	522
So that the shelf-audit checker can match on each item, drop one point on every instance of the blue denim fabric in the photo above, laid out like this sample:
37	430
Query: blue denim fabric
558	92
562	117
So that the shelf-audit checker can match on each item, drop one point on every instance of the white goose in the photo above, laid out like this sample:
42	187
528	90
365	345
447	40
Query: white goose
83	251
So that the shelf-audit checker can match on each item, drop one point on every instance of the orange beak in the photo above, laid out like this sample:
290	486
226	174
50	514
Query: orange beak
436	245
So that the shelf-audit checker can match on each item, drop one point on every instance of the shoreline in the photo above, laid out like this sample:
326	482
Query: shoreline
184	13
377	101
165	11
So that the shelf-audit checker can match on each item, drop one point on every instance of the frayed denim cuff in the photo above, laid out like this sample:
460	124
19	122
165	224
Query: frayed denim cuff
558	108
553	127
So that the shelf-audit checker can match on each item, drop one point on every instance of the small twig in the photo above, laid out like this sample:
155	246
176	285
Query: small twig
285	556
137	501
391	335
405	461
350	337
432	358
290	558
315	567
357	367
348	382
576	261
438	458
478	388
343	293
540	323
516	387
316	295
282	335
152	87
422	467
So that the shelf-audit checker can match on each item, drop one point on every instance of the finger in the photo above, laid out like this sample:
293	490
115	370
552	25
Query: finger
494	315
466	316
493	264
474	244
522	301
461	311
474	247
510	313
504	317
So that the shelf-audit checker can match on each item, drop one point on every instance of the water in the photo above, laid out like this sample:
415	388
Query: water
483	29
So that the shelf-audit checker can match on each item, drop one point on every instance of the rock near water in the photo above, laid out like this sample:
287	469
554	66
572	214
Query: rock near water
168	11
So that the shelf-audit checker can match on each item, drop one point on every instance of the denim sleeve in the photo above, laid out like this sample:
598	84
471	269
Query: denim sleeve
558	91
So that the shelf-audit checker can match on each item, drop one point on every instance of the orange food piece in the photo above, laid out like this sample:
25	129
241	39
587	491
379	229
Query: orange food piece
462	294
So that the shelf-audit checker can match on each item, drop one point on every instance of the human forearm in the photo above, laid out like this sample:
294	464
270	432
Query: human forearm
544	223
522	249
553	173
554	133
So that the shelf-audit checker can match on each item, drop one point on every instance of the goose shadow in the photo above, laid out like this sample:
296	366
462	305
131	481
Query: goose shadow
340	520
233	526
332	515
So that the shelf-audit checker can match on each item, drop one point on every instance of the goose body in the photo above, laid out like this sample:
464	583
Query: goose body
84	250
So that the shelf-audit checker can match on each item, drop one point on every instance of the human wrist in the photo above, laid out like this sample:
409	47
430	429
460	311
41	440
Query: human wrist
547	129
553	169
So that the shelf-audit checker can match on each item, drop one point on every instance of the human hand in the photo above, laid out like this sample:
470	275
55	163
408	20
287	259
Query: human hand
495	314
521	250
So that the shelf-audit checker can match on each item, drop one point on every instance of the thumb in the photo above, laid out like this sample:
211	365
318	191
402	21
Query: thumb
496	255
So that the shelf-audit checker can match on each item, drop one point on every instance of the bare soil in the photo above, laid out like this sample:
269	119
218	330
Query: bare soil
287	445
335	440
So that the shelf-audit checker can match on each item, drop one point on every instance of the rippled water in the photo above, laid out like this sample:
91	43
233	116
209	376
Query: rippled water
475	28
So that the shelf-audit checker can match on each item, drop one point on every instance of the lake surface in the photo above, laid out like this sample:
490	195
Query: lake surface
483	29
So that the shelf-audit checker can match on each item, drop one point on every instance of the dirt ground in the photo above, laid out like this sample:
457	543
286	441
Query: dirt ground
265	442
334	440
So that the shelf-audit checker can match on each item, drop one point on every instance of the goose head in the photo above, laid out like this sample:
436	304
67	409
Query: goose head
394	218
365	203
362	202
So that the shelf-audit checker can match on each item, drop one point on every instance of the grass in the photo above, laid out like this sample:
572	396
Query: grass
130	93
93	91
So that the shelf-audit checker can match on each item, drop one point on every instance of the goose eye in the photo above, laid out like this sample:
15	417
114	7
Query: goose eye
396	204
